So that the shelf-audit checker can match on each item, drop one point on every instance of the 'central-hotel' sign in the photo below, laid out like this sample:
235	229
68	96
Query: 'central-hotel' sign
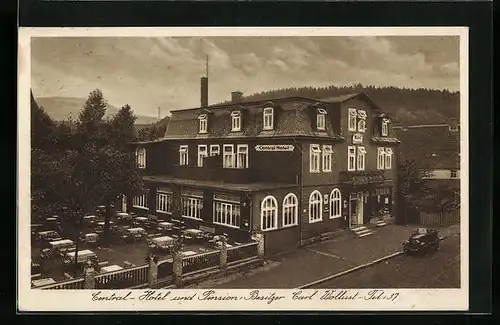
274	147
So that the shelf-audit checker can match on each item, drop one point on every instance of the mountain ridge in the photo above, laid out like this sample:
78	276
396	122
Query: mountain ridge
60	108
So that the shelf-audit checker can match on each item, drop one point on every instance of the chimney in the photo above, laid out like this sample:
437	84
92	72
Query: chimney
236	96
204	91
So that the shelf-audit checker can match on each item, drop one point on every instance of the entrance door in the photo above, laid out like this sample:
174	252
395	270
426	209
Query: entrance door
356	208
124	203
360	208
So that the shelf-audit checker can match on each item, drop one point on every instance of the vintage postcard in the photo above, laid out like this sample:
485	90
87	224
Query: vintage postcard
240	169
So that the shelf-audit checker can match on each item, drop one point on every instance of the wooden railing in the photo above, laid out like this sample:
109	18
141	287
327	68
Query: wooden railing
122	279
241	252
73	284
200	262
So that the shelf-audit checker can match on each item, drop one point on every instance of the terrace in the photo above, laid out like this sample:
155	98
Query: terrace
132	239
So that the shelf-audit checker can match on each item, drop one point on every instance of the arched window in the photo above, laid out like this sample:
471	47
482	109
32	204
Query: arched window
140	157
335	203
269	213
290	210
315	207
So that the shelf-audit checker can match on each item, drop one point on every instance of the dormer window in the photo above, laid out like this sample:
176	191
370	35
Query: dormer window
236	121
203	123
385	127
268	117
140	157
320	119
353	114
361	121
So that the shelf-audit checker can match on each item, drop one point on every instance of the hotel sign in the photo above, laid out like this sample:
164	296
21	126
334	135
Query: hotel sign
274	147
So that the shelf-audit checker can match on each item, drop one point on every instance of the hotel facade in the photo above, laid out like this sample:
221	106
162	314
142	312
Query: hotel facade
293	168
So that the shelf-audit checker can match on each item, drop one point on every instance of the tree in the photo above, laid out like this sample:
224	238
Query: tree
91	125
42	128
411	186
122	127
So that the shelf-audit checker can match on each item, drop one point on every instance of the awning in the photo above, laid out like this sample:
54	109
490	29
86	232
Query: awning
315	149
388	151
235	113
327	149
321	111
361	150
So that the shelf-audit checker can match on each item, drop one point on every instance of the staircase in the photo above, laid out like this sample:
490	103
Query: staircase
362	231
381	223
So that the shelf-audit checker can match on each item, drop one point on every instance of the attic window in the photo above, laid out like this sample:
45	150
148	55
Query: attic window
268	117
352	119
203	123
320	119
385	126
236	121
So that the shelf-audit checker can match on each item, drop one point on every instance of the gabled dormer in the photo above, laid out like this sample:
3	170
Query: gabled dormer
269	116
320	119
236	120
203	121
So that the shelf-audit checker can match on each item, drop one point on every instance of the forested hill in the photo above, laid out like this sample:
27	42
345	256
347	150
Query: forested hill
407	106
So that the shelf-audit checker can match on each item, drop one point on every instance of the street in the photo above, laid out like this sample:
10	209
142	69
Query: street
437	270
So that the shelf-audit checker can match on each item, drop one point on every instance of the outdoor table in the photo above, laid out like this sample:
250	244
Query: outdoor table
82	255
89	217
42	282
101	223
136	232
51	219
195	233
61	243
48	234
165	225
188	253
91	237
163	242
111	268
141	218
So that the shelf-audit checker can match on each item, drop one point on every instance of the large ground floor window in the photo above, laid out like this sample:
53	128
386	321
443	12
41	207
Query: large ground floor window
164	201
140	201
191	207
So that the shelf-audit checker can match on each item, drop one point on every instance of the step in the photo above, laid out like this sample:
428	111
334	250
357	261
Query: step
359	228
363	231
365	234
381	223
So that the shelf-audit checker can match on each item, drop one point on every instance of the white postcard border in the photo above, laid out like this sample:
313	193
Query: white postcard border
81	300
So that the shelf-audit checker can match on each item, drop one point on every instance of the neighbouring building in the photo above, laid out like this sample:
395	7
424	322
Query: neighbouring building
294	168
434	147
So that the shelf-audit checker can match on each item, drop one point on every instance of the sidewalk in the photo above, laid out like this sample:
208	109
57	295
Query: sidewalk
308	264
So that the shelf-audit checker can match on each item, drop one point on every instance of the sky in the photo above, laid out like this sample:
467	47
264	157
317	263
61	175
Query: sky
165	72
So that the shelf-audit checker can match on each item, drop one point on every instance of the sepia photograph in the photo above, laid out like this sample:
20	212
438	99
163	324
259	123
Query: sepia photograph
302	167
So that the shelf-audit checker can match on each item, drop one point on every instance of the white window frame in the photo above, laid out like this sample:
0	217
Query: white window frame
290	210
269	209
203	123
385	127
140	201
352	119
242	149
388	158
321	119
193	208
454	171
268	118
184	155
164	202
140	157
327	154
380	158
318	203
202	153
214	150
314	158
228	154
335	203
351	158
227	213
361	158
235	121
362	120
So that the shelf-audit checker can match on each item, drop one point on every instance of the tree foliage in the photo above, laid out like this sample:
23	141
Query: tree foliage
90	166
407	106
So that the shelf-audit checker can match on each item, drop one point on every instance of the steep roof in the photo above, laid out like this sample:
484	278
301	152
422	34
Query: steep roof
432	146
292	119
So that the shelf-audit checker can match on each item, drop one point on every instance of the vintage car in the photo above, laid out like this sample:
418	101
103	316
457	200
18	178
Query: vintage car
422	241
